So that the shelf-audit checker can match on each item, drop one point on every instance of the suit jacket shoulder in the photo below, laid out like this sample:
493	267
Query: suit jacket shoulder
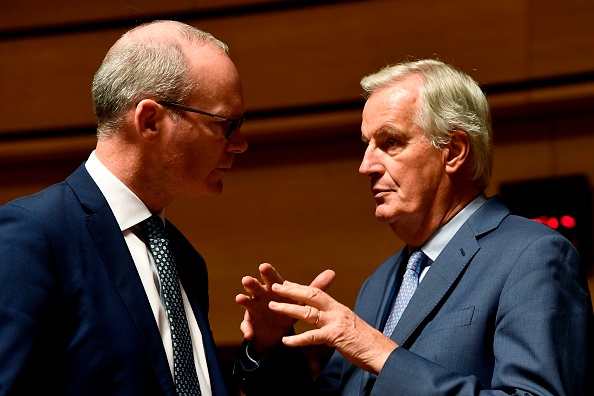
75	317
502	289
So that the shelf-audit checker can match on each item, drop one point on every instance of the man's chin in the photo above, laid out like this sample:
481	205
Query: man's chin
216	190
383	215
209	191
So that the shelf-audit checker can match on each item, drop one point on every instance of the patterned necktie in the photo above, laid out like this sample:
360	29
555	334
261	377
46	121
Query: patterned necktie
410	281
184	370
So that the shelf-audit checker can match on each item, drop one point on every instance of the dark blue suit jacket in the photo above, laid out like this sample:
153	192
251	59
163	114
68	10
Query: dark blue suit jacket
74	317
504	309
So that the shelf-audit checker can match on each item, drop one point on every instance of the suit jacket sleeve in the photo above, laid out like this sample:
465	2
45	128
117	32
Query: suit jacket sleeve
283	372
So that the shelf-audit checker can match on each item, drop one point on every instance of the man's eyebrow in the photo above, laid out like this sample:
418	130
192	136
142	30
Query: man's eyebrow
386	131
383	132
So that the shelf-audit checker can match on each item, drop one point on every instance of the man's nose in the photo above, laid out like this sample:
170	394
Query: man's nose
238	144
369	164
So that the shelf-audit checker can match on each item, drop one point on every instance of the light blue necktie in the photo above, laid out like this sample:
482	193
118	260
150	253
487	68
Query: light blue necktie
410	281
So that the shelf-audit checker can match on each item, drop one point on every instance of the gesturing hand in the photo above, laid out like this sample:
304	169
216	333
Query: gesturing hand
336	326
263	327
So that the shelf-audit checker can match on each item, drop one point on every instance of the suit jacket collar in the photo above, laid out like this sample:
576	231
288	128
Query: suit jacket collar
86	190
448	267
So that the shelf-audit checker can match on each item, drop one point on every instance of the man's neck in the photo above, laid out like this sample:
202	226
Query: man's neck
127	165
437	218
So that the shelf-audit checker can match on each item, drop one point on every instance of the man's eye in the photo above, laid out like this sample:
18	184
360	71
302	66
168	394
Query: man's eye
390	143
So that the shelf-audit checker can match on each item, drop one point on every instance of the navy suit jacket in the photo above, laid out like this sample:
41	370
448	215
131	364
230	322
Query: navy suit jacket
74	317
504	309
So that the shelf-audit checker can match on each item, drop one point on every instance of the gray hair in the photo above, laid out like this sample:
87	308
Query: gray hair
140	66
449	100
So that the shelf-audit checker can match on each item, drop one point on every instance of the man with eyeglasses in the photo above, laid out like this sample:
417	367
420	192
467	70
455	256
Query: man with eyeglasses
99	294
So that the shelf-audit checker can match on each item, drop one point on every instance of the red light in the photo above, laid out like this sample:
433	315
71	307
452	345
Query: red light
568	221
565	221
553	223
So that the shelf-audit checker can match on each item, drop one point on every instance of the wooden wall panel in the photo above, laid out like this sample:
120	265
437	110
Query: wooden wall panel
560	37
318	55
306	56
47	81
41	13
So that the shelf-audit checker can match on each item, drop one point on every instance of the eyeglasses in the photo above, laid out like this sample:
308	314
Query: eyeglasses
234	123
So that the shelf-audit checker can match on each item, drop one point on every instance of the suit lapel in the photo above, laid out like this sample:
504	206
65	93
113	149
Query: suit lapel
439	279
217	381
448	267
118	262
375	310
375	302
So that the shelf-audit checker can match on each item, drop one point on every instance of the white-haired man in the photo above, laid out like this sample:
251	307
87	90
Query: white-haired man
479	302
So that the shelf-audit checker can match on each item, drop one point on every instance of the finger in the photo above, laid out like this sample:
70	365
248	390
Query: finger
306	295
253	286
304	313
324	280
311	337
243	301
318	318
250	304
269	274
246	302
246	327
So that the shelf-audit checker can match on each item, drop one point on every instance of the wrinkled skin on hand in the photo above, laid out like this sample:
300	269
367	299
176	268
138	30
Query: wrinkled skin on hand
336	325
262	326
274	306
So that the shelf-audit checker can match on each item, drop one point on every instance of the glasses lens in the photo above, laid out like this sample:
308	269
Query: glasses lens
233	126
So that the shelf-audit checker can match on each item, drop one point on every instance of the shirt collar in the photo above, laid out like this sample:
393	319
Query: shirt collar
438	241
127	208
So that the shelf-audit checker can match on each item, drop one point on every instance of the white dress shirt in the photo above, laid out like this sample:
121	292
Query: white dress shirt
129	211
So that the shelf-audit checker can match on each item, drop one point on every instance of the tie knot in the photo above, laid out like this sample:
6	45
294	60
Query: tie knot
153	228
415	261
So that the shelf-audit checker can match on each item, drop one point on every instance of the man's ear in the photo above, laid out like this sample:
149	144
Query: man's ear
147	119
457	151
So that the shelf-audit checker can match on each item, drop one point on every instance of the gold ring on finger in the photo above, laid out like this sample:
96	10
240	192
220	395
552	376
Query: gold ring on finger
318	318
